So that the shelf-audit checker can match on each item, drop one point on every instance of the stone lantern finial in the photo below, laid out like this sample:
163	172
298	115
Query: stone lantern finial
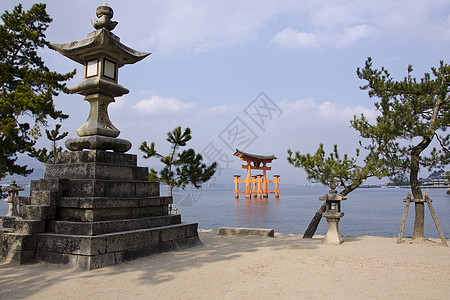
104	14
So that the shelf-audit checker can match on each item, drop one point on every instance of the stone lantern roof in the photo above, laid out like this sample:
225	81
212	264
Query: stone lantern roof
13	188
98	42
101	41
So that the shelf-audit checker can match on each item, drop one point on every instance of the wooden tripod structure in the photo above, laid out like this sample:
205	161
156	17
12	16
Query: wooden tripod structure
259	182
427	199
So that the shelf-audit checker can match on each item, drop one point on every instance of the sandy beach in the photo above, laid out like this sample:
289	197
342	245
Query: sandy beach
236	267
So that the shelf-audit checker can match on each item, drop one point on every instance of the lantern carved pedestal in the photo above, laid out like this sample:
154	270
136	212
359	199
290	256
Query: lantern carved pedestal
333	215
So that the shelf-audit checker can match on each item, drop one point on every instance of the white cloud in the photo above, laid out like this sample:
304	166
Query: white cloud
189	27
344	23
308	110
157	105
198	26
345	113
355	33
290	38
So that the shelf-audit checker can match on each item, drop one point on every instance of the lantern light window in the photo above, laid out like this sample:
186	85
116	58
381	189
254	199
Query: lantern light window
92	68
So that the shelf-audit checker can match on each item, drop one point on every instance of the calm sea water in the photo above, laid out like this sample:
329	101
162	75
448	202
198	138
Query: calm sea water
368	211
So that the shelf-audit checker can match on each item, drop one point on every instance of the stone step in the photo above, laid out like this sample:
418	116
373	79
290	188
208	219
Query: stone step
112	242
111	188
110	202
96	171
111	213
91	252
103	227
92	209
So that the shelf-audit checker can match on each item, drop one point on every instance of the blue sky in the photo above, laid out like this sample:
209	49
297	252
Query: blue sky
211	60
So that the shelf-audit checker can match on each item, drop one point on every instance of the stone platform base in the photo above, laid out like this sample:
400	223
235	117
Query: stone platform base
246	231
93	209
93	252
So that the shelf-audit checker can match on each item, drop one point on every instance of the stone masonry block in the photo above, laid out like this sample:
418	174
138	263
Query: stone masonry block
86	188
7	222
20	257
131	239
24	200
98	156
113	202
72	244
246	231
114	172
191	229
93	215
38	212
69	202
28	226
147	188
57	258
72	171
96	170
19	242
173	232
112	188
51	184
35	184
80	262
155	200
120	189
147	250
87	228
107	202
44	198
95	262
141	173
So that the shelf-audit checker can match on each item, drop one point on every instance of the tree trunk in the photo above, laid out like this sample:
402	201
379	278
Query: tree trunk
312	227
419	207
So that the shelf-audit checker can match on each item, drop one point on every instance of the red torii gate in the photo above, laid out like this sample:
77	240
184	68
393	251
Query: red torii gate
260	189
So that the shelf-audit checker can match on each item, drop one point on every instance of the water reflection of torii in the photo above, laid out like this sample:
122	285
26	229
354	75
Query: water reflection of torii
255	162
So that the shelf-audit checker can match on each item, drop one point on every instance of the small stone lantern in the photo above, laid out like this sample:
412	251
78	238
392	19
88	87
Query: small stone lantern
13	191
333	215
101	54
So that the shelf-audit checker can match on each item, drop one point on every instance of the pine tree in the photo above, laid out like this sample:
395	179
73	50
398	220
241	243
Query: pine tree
412	113
415	112
27	84
180	169
46	156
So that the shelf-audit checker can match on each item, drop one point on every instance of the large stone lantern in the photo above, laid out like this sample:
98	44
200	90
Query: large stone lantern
102	54
95	206
333	215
